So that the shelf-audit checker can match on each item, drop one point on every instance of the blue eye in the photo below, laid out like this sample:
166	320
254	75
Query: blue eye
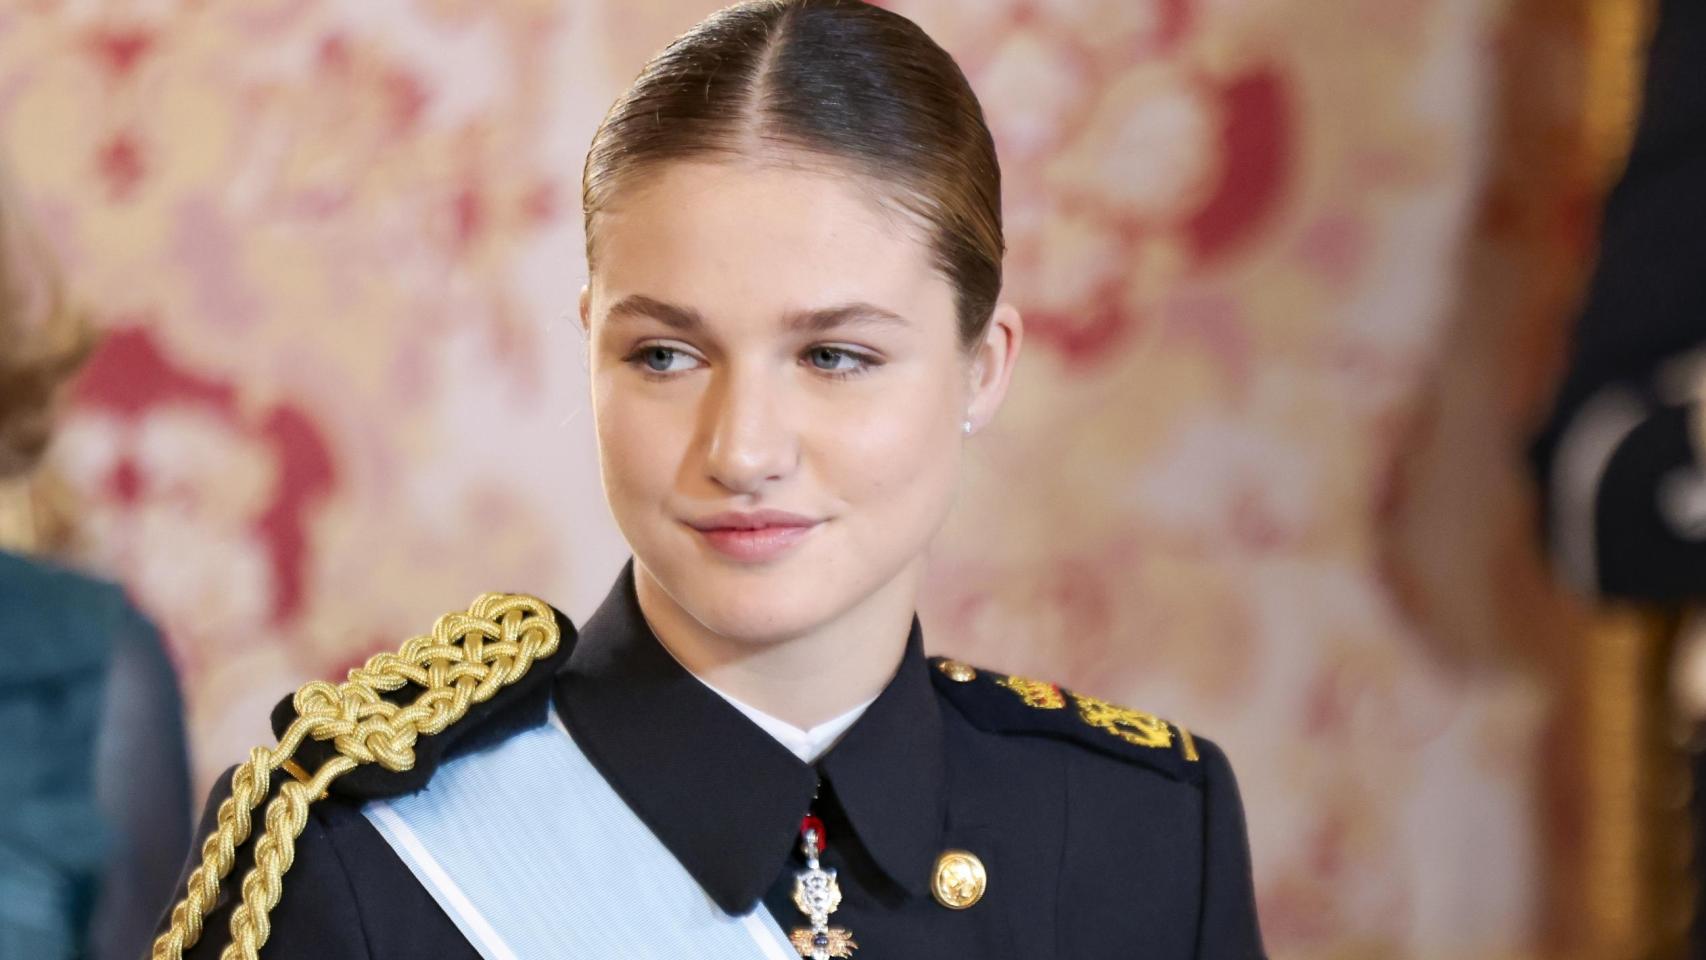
839	362
658	360
826	358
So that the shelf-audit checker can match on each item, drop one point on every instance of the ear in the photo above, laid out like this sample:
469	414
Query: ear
586	308
992	364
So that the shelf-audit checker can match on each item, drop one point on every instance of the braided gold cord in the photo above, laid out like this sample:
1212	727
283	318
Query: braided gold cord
466	659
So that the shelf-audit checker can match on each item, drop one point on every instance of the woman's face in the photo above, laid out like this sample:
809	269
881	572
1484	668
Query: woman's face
767	339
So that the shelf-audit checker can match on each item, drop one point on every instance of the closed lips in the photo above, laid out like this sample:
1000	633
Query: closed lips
751	521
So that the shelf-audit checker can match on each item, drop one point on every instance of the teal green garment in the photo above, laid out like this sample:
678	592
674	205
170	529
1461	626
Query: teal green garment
94	808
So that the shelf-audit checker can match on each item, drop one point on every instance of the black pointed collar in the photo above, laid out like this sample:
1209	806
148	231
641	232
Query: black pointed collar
722	794
889	773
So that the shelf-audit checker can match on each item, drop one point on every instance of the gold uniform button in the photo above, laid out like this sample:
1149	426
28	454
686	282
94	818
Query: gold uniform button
957	671
960	879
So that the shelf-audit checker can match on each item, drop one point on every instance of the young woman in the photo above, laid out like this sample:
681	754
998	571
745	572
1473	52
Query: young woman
794	240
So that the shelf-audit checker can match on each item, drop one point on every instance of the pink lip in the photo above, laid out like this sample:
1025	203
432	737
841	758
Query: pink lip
756	536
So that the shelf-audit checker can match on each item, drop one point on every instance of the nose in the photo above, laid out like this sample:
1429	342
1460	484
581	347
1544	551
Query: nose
751	439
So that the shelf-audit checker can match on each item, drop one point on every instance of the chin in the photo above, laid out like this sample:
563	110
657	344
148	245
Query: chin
758	604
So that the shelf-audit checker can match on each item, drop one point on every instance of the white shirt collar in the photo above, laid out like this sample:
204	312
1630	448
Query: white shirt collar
808	745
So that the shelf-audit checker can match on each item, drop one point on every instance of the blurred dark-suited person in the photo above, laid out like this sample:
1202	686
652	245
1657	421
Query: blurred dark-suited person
1622	459
94	791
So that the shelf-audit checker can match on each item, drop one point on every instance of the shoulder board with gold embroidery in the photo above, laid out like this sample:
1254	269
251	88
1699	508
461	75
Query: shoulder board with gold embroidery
516	707
1008	704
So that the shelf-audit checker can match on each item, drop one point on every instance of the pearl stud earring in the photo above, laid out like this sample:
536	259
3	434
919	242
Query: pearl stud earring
967	428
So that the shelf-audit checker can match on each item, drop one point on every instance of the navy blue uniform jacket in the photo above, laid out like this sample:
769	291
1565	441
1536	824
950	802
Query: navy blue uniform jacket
1096	843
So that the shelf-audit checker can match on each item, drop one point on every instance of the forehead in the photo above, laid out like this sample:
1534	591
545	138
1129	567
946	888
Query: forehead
745	238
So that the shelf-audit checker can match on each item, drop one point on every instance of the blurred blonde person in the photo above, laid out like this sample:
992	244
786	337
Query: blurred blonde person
94	808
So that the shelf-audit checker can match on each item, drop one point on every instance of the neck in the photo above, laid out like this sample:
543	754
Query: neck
805	678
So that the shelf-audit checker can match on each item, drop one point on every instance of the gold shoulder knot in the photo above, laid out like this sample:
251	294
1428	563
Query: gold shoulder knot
466	659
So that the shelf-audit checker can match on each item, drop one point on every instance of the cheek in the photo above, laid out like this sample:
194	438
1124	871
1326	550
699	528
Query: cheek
638	445
893	452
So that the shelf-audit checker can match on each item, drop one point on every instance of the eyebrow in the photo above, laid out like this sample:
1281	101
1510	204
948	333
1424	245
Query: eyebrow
688	319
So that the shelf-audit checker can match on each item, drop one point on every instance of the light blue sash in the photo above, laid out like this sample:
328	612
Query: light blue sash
533	855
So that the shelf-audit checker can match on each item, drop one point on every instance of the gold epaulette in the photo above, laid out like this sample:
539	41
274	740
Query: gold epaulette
466	659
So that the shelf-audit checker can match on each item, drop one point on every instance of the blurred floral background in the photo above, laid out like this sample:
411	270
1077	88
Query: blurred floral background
1294	274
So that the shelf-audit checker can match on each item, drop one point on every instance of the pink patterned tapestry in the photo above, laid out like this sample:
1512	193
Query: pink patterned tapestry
337	245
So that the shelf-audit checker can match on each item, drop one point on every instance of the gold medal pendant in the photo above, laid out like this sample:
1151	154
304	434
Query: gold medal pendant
817	895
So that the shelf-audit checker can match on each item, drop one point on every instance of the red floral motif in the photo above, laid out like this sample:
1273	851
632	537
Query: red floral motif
130	376
120	165
1255	149
120	49
1250	147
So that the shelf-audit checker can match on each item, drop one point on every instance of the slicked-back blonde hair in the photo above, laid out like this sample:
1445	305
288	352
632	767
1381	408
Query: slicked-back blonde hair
838	83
